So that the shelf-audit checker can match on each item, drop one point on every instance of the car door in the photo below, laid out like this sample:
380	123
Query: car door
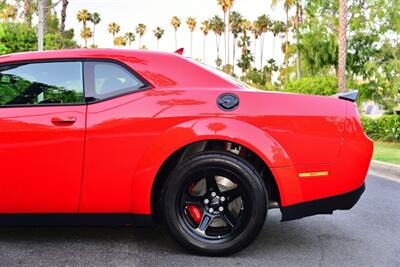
42	131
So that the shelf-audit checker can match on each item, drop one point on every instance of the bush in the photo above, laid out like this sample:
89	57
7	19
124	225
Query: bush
319	85
385	128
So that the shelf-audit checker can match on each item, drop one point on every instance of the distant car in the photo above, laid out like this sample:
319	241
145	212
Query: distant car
139	137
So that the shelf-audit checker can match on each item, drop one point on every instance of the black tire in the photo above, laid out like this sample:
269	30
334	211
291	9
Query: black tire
237	231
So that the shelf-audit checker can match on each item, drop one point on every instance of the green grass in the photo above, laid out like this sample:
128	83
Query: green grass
388	152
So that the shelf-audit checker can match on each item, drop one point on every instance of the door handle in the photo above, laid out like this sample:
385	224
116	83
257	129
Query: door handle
63	121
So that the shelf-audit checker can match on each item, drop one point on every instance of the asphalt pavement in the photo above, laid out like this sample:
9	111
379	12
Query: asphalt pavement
367	235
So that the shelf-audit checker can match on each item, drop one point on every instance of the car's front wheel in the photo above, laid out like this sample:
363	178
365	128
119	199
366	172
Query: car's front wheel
214	203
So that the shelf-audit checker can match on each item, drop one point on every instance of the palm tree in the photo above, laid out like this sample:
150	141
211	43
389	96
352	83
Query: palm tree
287	5
256	33
224	5
218	27
263	23
191	22
158	33
140	30
9	12
342	46
113	28
84	16
236	20
86	33
229	4
120	41
176	23
63	16
205	27
278	27
27	13
246	58
130	36
95	20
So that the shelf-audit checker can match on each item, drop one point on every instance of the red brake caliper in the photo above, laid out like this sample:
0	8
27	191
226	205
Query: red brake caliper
194	211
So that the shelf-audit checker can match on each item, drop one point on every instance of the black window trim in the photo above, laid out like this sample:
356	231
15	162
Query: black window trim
146	84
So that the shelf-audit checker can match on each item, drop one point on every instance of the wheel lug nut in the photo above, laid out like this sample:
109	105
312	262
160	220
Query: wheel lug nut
222	199
211	210
221	208
206	201
213	194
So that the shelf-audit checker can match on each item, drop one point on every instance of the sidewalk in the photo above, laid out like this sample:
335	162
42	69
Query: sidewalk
388	170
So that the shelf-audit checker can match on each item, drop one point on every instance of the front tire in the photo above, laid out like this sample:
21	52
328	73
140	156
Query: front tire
214	203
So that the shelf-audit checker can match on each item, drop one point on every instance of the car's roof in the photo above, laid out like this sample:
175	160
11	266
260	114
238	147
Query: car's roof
77	53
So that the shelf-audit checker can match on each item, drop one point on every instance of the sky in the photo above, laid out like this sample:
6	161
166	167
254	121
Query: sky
153	13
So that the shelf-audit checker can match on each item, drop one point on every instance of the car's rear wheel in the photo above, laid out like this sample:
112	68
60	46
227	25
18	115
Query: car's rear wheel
214	203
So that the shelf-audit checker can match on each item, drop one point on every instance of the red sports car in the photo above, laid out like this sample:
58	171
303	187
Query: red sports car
139	137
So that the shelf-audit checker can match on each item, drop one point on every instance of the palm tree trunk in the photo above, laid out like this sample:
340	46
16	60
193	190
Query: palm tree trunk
225	36
158	44
27	13
342	46
176	41
262	53
273	47
234	52
94	31
287	45
63	16
298	62
228	32
255	50
191	43
140	41
204	48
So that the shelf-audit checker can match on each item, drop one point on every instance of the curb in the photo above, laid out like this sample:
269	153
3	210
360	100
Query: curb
389	170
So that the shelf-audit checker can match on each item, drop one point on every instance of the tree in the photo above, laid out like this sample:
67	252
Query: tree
218	27
224	5
86	34
130	37
176	23
140	30
84	16
205	27
278	27
9	12
158	33
236	20
263	24
96	19
113	28
120	41
287	5
191	22
27	13
229	4
256	34
246	58
342	46
64	16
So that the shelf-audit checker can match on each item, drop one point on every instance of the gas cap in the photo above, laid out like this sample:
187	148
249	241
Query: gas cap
228	102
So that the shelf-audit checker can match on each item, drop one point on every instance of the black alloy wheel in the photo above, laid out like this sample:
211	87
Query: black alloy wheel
214	203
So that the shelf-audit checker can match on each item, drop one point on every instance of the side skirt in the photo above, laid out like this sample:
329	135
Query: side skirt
322	206
119	219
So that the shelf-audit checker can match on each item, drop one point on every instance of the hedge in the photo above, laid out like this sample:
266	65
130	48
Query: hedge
384	128
318	85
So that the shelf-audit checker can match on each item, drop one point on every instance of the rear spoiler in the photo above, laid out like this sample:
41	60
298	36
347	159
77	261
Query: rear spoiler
349	96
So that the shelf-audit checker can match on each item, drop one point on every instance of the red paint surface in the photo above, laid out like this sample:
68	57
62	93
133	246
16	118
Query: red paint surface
109	163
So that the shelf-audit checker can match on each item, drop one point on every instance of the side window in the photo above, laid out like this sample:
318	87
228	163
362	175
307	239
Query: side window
41	83
107	79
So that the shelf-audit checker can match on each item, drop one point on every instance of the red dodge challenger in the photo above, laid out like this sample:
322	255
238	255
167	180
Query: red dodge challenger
138	137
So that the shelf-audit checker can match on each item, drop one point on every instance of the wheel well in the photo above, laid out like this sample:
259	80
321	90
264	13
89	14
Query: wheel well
212	145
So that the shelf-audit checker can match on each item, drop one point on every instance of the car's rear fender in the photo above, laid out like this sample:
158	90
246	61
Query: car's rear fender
198	130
